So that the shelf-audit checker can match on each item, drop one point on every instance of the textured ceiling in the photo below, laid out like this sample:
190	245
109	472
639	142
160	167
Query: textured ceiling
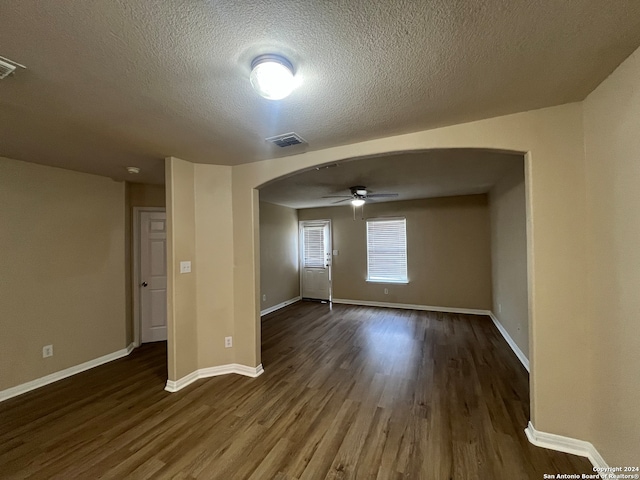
118	82
435	173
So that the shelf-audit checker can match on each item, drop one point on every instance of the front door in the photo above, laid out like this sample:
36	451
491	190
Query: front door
153	276
315	259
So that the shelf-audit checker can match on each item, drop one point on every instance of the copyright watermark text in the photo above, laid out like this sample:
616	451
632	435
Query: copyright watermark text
600	473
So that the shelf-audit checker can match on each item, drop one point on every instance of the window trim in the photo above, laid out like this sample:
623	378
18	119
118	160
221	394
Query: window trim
397	281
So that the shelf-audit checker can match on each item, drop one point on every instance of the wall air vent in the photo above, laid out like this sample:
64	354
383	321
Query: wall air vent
286	140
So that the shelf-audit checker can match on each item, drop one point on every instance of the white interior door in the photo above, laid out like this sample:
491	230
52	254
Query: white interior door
315	259
153	276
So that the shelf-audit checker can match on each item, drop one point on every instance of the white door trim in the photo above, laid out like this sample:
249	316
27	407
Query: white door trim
135	267
301	224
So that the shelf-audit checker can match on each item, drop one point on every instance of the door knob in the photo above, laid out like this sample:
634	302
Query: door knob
144	284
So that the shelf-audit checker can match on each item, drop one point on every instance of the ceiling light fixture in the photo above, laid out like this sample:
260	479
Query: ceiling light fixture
357	202
133	170
272	76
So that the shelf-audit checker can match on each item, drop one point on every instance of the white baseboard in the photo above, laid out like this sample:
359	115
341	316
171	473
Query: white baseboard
430	308
407	306
521	356
67	372
174	386
269	310
567	445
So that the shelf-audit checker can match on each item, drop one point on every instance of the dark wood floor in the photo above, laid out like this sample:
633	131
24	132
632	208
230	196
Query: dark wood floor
348	392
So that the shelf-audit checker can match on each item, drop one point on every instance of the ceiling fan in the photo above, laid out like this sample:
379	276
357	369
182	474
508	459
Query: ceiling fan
359	195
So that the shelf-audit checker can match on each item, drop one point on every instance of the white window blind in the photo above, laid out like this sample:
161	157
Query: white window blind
387	250
313	239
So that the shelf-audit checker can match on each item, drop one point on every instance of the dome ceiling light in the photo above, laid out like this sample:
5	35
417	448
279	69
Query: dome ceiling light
272	76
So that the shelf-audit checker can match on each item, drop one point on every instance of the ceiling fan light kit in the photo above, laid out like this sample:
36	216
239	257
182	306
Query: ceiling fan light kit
360	195
272	76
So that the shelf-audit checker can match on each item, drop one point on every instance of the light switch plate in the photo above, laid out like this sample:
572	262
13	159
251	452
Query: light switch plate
335	252
185	267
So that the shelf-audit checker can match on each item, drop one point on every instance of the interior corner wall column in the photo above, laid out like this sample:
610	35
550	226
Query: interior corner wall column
181	289
214	263
246	277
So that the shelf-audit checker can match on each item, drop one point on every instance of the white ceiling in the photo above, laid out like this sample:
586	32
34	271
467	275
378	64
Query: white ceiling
118	82
434	173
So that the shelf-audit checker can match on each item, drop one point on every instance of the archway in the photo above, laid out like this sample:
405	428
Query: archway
462	243
552	145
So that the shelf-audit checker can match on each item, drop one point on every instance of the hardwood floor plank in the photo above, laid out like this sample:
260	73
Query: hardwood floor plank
345	460
373	445
268	468
395	434
333	437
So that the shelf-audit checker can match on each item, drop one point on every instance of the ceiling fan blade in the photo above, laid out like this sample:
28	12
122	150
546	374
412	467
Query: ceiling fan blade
340	201
374	195
337	196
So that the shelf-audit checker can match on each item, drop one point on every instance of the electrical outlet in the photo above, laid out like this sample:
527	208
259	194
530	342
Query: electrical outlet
228	342
499	308
264	297
47	351
386	291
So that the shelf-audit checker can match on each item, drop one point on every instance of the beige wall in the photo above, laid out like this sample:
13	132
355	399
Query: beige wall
182	328
612	143
214	258
448	252
246	274
553	141
144	195
62	269
279	276
509	256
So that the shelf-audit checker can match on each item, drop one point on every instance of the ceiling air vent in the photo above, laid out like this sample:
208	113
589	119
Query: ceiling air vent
286	140
6	69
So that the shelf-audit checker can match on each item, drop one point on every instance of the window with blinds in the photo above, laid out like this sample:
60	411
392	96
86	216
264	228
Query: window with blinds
313	248
387	250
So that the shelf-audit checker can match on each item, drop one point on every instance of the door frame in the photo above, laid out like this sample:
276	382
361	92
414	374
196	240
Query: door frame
301	254
135	267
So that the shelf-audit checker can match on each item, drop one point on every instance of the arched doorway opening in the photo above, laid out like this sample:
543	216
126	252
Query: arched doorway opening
466	239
